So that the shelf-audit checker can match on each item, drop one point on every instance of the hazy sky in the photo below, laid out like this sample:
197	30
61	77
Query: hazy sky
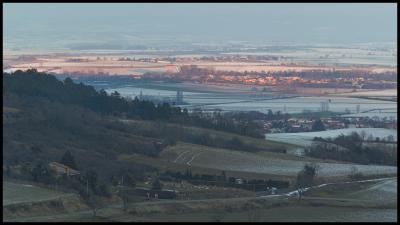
35	24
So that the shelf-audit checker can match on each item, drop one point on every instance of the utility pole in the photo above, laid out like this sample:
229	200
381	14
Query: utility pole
87	186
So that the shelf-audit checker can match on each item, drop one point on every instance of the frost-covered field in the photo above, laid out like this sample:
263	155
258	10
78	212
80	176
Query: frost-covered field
245	102
243	98
388	92
248	162
211	99
193	98
305	138
135	91
299	104
330	54
388	114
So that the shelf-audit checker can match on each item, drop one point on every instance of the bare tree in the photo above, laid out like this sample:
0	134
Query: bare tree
305	178
125	200
95	203
390	138
355	174
370	137
363	135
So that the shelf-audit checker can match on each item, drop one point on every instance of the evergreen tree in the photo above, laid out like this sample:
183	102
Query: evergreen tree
223	176
129	180
157	185
318	125
68	160
92	179
188	173
270	114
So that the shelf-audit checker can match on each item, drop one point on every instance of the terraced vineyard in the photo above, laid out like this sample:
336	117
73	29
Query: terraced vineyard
186	155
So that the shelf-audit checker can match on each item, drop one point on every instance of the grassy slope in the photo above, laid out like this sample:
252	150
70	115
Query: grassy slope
165	165
171	153
22	200
10	110
245	210
93	141
374	191
14	193
260	143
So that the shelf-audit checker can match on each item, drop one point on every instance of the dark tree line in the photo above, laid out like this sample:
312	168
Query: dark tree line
353	148
32	83
318	125
223	180
239	123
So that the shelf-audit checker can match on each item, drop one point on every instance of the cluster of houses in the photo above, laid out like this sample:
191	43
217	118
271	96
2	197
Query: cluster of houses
294	125
363	122
62	170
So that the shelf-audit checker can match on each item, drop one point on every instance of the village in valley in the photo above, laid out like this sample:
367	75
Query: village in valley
154	124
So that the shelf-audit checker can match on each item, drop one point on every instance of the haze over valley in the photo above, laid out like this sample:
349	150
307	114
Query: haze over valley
200	112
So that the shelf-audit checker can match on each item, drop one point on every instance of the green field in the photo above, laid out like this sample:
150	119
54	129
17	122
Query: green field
14	193
333	207
381	191
264	165
281	214
260	143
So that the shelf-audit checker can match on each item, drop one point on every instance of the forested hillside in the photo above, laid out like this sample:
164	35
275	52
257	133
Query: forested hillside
32	83
43	118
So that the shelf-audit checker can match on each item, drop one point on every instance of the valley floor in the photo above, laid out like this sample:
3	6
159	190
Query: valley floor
369	201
